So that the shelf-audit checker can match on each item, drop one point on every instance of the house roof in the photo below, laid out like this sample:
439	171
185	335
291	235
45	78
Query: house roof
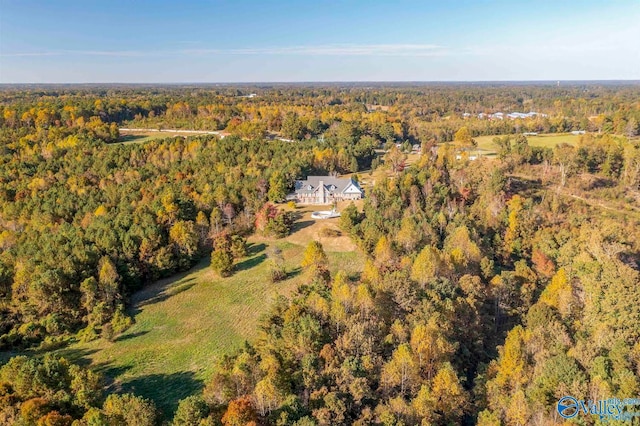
331	184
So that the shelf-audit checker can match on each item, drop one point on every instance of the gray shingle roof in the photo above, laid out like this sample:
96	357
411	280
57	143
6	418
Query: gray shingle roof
332	184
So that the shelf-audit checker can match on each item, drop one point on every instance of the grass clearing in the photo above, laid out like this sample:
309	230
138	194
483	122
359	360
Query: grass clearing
307	229
485	143
183	324
142	137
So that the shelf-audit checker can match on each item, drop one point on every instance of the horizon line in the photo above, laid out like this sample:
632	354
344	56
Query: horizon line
555	81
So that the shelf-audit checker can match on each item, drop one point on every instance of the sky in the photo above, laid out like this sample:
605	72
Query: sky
159	41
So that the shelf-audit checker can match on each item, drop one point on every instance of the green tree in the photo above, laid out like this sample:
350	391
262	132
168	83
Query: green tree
277	187
191	411
292	127
222	262
128	409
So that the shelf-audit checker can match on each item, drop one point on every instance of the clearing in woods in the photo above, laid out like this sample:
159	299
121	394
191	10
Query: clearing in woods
185	323
487	147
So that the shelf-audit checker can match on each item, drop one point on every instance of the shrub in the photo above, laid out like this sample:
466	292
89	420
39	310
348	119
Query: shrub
330	232
120	321
222	262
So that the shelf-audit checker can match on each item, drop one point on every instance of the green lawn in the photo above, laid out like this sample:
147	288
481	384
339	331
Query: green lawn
136	138
183	324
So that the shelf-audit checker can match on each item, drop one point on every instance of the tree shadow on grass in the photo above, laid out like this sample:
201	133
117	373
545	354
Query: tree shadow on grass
166	390
77	356
253	249
131	138
299	225
150	292
354	276
292	273
251	262
162	293
125	336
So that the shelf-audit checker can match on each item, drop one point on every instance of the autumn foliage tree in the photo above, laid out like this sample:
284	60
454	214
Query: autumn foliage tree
315	262
240	413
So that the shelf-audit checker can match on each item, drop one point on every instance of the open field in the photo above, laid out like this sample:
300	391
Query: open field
135	135
486	145
141	137
368	178
183	324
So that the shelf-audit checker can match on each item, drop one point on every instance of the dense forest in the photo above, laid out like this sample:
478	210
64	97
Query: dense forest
491	288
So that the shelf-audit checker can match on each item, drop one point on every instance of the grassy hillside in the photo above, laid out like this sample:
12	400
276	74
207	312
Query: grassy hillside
183	324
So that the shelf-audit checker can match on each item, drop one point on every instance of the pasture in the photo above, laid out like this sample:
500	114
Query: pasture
185	323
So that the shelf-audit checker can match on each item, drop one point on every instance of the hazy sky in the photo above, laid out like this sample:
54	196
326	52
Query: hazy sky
312	40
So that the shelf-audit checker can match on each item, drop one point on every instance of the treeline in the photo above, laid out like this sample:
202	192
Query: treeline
414	113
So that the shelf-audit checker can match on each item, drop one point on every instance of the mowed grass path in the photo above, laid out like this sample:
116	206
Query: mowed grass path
185	323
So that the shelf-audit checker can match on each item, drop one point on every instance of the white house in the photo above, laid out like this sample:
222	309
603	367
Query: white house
325	190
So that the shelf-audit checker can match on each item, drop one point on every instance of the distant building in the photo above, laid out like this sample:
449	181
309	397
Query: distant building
468	157
325	190
511	115
578	132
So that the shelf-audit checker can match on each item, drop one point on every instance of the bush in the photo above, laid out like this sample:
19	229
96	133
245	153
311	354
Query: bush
330	232
120	321
222	262
88	334
277	273
107	332
277	269
51	343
